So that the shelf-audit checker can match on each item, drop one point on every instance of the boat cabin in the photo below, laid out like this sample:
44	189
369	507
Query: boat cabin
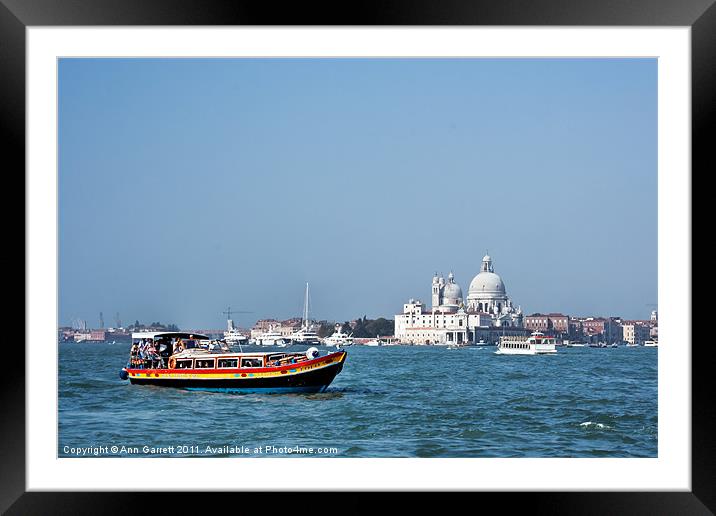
180	350
152	349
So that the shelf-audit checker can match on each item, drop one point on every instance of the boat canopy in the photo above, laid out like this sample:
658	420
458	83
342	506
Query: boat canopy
169	334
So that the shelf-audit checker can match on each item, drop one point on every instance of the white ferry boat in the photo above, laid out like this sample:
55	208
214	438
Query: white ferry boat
651	343
338	338
535	344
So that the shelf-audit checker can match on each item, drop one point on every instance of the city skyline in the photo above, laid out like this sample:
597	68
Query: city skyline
190	185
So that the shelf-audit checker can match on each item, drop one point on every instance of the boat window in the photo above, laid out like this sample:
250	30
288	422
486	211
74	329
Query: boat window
183	364
228	362
204	364
250	362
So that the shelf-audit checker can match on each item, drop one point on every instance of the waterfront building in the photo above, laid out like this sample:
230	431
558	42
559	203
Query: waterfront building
90	336
601	329
635	332
489	312
548	323
575	328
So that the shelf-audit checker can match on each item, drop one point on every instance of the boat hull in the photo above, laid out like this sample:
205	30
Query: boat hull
524	352
309	377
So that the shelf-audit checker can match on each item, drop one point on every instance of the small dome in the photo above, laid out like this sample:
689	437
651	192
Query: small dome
452	292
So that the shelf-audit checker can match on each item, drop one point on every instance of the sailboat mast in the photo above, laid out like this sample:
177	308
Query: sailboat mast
305	309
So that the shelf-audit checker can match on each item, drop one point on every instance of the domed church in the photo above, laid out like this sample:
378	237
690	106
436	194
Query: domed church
487	294
449	319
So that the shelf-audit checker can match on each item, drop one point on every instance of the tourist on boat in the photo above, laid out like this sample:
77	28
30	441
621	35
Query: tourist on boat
151	351
133	355
178	346
142	348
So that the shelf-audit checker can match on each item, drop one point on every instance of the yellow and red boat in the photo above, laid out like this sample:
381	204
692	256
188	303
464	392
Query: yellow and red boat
182	360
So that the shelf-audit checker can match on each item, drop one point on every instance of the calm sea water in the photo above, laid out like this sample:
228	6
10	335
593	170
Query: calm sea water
387	402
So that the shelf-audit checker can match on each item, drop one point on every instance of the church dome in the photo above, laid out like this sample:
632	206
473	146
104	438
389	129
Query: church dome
452	292
486	283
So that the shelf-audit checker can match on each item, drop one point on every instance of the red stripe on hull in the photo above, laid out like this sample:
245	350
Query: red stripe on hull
328	359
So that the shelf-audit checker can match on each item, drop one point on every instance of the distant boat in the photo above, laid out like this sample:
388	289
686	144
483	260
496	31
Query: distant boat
651	343
232	335
338	338
481	344
305	335
536	344
271	338
383	341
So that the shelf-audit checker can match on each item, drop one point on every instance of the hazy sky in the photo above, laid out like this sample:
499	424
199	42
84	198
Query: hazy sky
187	185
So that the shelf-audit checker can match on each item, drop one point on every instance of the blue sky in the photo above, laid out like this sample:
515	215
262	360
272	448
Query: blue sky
187	185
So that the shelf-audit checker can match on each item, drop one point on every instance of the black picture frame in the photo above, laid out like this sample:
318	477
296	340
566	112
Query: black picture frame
699	15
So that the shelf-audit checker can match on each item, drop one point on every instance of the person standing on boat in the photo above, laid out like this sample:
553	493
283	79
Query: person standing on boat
141	353
151	351
133	354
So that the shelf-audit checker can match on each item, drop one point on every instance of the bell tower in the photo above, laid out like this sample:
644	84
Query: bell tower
436	291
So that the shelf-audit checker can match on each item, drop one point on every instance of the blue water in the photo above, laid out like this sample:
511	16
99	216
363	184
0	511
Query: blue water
388	402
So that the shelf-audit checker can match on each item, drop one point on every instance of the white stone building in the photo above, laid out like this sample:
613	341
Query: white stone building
489	311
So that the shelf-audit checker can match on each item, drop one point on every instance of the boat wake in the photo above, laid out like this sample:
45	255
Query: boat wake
592	425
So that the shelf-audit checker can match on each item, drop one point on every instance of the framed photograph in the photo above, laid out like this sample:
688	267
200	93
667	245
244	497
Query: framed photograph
454	245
